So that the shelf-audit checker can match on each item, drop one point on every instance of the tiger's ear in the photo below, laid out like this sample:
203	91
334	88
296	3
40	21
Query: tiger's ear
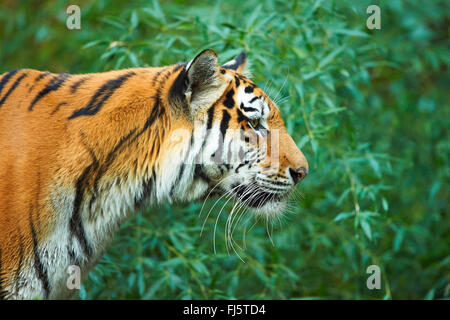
239	64
202	68
204	83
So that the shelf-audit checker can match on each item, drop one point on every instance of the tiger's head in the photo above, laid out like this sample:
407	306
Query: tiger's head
230	135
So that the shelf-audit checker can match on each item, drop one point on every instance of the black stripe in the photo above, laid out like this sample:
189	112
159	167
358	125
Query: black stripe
171	71
109	160
53	85
75	85
41	76
177	97
217	155
224	123
147	187
210	118
94	165
73	258
241	116
15	84
155	78
209	124
76	222
19	267
249	88
238	83
253	99
249	109
239	166
40	269
182	167
101	95
6	78
177	180
91	151
174	98
199	173
57	107
229	101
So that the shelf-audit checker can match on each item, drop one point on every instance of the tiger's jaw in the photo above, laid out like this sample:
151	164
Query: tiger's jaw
262	201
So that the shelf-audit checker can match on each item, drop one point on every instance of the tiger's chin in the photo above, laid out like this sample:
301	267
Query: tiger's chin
262	203
270	210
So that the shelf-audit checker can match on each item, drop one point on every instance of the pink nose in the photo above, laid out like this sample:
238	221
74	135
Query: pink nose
298	174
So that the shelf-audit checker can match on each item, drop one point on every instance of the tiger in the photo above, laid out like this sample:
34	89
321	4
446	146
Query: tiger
81	154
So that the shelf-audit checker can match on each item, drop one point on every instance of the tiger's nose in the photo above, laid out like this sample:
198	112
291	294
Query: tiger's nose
298	174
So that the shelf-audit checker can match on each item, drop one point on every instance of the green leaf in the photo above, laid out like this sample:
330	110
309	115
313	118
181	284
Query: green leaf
385	204
330	57
154	288
344	216
252	17
366	228
134	20
134	59
141	283
157	12
131	279
368	214
352	33
115	22
430	294
200	267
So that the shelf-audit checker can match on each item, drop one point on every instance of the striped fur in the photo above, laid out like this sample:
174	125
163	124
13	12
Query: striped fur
82	153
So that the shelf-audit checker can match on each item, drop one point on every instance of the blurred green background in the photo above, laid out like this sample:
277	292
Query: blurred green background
369	109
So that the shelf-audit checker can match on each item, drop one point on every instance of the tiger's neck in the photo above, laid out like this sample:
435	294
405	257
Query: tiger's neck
174	177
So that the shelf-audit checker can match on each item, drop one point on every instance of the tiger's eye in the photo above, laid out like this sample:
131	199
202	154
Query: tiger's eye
254	123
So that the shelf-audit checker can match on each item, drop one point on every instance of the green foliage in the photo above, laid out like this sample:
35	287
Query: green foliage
369	109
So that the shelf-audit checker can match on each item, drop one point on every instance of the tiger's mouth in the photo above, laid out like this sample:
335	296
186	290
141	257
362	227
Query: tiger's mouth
257	198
